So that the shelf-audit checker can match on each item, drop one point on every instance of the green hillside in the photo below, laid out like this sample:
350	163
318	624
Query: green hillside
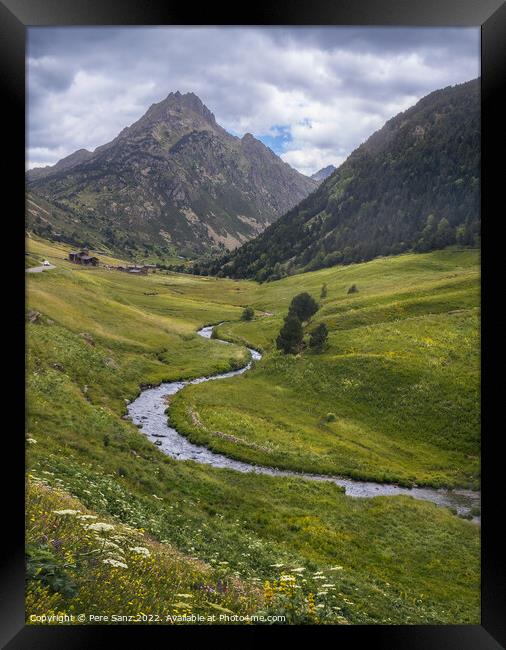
95	336
400	373
413	185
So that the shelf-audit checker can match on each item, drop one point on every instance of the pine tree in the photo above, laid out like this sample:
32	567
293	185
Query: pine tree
290	336
318	337
303	306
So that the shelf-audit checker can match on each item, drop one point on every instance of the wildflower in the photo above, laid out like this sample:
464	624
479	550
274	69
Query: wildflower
66	512
268	592
311	609
219	608
277	566
184	595
115	563
87	517
31	441
101	527
141	550
299	569
336	568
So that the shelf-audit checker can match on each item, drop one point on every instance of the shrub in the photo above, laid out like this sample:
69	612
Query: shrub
248	313
330	417
353	289
318	337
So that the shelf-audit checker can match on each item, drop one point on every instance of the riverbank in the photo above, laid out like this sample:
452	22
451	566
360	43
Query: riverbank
149	412
98	338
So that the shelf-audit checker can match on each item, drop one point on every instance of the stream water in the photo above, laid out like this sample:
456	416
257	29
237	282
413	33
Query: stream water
148	413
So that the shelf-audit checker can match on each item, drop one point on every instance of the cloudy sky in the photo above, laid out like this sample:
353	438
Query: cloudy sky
311	94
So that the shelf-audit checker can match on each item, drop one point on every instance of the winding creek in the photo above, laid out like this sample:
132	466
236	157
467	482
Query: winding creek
148	413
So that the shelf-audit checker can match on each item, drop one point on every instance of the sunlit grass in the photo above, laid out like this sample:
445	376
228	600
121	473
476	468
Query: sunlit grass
102	334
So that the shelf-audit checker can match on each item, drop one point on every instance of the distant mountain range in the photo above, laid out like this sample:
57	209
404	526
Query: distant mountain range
324	173
413	185
175	181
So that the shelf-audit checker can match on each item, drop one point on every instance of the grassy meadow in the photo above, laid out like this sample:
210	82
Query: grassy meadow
400	375
394	397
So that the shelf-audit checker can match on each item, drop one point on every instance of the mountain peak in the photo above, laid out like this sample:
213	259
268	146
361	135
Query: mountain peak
176	178
323	173
186	102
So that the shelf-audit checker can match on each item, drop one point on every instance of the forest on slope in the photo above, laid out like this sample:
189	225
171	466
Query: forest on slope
413	185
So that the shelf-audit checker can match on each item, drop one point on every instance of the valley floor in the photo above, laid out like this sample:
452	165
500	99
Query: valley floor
395	397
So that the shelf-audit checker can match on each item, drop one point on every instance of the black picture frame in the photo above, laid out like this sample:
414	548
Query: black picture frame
15	17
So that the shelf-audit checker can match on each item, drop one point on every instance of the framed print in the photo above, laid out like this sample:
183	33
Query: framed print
256	320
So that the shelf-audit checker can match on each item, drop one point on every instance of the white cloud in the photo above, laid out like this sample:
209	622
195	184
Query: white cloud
309	160
328	88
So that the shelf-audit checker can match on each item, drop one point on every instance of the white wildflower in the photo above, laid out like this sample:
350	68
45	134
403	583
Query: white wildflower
100	527
31	441
141	550
115	563
66	512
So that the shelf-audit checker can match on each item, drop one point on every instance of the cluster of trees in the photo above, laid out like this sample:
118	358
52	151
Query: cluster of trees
291	336
414	185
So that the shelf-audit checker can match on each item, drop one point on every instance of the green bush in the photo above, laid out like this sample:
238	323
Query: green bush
318	337
248	313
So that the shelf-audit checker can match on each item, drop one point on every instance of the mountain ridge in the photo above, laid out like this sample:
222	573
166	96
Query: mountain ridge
412	185
173	180
323	173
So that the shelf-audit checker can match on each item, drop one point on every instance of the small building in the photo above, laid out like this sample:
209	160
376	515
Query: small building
142	270
83	257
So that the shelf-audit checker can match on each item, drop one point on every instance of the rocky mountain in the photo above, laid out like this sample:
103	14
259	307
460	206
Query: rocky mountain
323	173
413	185
173	181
